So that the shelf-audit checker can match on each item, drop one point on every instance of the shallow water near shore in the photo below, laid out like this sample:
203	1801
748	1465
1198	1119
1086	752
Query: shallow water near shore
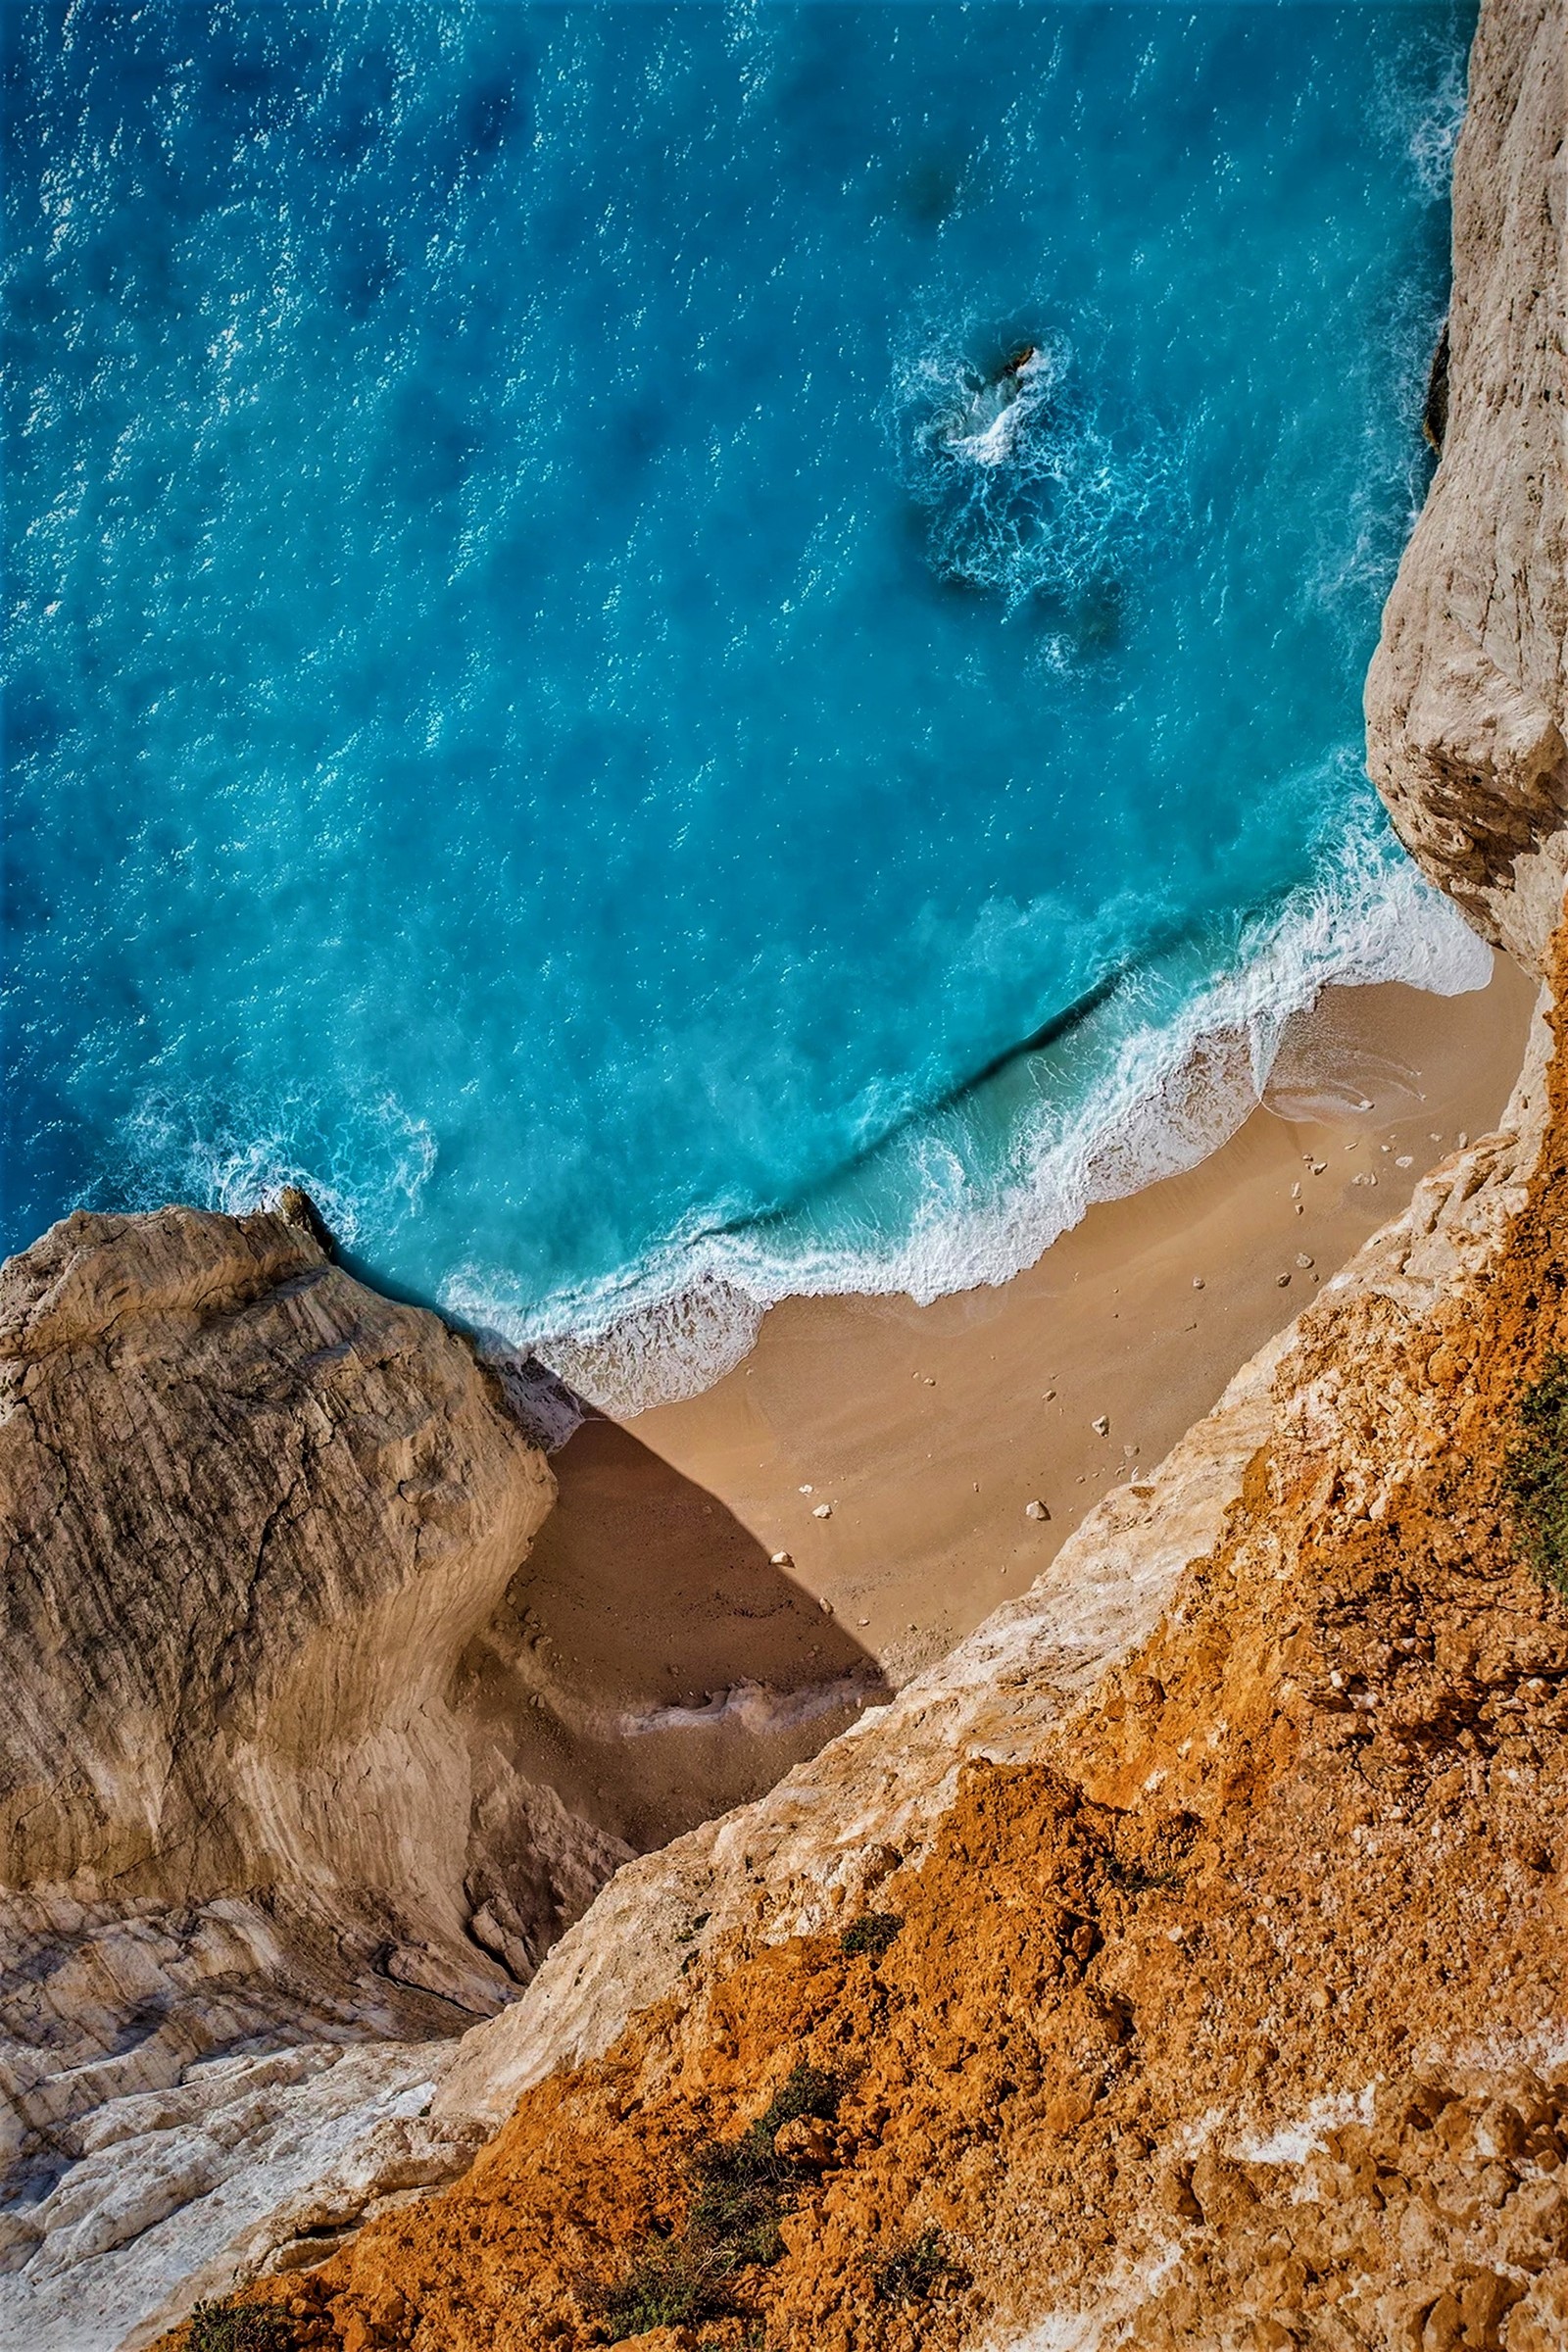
681	655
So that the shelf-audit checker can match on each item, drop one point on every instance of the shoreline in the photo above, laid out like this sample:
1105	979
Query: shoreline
926	1432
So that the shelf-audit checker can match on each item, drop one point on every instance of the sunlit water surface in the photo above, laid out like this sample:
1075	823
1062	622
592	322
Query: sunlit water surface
611	606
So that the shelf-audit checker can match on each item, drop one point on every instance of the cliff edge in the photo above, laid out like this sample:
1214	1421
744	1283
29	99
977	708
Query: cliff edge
1178	1964
1467	694
1175	1965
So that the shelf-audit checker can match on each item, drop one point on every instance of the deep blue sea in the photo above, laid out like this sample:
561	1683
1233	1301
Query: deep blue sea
679	653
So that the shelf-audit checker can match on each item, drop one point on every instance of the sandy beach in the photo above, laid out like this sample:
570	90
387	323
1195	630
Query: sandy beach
928	1431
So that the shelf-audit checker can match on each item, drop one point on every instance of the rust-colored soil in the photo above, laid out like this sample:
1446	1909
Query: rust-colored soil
1236	2018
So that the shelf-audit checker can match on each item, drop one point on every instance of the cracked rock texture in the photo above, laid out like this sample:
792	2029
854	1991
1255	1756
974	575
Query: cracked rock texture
1467	699
1223	2006
253	1515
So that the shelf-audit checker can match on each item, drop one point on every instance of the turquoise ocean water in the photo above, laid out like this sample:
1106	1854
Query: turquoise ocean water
572	688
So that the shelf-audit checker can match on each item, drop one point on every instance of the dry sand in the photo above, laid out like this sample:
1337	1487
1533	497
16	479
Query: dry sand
929	1430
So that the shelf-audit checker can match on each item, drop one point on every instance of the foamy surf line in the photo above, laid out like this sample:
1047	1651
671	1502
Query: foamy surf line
679	1322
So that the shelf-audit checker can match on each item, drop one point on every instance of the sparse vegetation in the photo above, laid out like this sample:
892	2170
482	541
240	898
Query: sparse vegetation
1535	1476
872	1933
743	2187
741	2191
240	2327
909	2275
671	2285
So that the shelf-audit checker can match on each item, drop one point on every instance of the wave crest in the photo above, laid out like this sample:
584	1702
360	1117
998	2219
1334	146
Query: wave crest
1170	1090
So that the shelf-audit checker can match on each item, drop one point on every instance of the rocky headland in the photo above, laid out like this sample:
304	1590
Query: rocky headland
1178	1963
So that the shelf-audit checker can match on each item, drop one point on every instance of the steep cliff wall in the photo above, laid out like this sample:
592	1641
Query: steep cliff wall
1215	1999
1225	1899
252	1515
1179	1961
1467	700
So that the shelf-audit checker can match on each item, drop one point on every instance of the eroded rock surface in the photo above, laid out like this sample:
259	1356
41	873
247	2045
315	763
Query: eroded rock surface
1467	700
1222	2000
252	1516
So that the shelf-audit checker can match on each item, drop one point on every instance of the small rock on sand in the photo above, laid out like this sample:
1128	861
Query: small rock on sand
1303	1260
1035	1509
1101	1426
1284	1281
823	1510
1197	1281
781	1559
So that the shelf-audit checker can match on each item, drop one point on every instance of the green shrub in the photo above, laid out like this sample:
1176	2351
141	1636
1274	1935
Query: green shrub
909	2275
1534	1476
240	2327
743	2187
671	2285
872	1933
741	2191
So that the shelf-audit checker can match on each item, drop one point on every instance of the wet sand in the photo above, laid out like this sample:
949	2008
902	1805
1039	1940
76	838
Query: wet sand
927	1431
679	1667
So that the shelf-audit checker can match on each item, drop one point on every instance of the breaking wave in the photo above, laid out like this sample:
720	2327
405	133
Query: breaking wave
1164	1090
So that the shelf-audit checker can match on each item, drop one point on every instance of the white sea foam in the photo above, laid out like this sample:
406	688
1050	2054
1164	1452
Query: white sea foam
365	1175
1026	491
1177	1088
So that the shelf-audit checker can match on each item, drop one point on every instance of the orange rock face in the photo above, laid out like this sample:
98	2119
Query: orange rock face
1233	2017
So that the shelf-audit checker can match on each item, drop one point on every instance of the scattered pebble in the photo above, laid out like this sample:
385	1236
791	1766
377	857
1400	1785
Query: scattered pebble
1434	1138
806	1490
1462	1139
1318	1166
826	1606
1050	1395
1404	1160
1197	1281
1130	1452
1385	1146
1035	1509
1284	1281
823	1510
1101	1426
863	1622
1303	1260
1296	1189
930	1380
781	1559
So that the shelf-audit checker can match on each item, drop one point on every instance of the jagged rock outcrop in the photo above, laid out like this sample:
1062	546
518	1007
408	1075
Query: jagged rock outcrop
1467	699
1224	1879
253	1515
1224	1875
1217	1996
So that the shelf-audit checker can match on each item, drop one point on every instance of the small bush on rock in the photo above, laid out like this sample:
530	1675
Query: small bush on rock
1535	1475
240	2327
872	1932
671	2285
741	2191
909	2275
